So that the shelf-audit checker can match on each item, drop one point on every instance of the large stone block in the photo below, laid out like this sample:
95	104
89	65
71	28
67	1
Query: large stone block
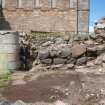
77	50
71	61
54	53
59	61
46	61
100	49
65	52
43	54
81	61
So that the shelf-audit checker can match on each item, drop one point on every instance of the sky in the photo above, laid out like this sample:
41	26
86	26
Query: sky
97	10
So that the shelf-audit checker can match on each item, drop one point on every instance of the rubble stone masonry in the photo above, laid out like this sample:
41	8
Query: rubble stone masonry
47	15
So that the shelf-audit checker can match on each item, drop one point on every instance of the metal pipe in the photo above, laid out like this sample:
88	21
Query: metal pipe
88	14
77	17
0	8
81	9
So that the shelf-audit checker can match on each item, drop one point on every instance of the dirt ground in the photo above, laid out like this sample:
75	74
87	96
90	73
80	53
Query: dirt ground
73	87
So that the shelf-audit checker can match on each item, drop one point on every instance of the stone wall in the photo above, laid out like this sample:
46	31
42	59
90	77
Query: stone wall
62	16
63	53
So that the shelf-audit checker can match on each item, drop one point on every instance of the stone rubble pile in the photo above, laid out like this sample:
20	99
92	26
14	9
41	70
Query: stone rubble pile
76	53
62	54
100	29
59	52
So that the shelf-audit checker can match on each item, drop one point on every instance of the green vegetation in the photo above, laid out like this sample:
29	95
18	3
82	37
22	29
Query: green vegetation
40	37
4	79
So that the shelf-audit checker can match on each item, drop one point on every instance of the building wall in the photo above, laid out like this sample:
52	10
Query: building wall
47	16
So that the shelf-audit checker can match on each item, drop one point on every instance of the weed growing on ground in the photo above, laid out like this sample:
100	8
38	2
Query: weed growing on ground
4	79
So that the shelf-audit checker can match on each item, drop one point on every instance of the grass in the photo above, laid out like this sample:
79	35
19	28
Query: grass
4	79
41	37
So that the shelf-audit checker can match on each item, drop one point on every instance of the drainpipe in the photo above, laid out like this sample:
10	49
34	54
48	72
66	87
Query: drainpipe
0	8
88	15
78	9
0	12
77	18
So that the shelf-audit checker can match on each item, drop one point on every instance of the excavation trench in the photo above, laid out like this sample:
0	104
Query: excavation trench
72	87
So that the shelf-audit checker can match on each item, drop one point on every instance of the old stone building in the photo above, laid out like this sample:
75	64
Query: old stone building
46	15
